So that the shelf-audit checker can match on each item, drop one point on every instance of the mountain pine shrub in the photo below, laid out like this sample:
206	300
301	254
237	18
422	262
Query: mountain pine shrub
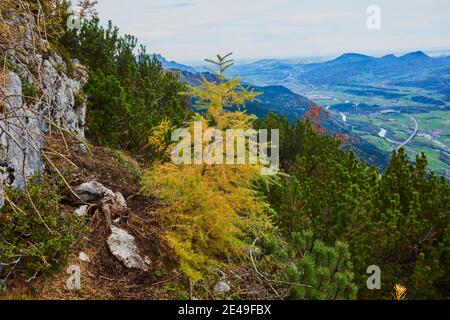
35	233
128	91
323	272
397	219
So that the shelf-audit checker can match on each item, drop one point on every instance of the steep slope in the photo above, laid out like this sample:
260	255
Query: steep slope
38	95
273	98
278	99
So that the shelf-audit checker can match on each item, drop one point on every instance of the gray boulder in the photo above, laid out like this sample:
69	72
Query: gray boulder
123	246
94	192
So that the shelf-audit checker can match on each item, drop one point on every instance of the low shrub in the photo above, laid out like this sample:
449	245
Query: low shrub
35	233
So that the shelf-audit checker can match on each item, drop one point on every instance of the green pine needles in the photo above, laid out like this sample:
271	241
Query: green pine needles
323	272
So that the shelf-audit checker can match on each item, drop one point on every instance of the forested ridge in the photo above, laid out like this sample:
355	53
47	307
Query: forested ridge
220	231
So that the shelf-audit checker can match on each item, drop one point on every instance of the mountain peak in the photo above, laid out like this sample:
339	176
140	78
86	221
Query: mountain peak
352	55
389	58
172	65
416	54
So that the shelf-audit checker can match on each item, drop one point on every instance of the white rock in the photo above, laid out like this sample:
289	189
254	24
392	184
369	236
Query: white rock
21	138
222	287
120	200
81	148
94	192
147	260
81	211
122	245
84	257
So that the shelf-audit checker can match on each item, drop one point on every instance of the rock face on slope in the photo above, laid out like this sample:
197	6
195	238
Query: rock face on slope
56	101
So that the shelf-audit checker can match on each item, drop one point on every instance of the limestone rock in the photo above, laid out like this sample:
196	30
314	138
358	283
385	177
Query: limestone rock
81	148
94	192
26	120
84	257
21	138
222	287
81	211
120	200
123	246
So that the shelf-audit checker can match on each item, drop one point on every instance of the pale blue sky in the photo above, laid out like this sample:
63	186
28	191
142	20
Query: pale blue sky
190	30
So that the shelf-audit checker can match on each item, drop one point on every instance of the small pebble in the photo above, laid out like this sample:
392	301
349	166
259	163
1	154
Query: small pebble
84	257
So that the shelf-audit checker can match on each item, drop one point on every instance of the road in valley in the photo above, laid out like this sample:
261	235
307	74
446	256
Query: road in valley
382	134
286	79
416	129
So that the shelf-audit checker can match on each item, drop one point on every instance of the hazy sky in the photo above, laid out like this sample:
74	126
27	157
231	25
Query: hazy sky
190	30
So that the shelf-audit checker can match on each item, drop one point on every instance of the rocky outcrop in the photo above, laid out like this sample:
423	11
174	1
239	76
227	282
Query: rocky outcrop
21	136
25	120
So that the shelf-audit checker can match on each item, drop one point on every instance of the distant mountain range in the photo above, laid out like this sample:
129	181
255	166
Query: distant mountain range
172	65
347	68
352	66
351	84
